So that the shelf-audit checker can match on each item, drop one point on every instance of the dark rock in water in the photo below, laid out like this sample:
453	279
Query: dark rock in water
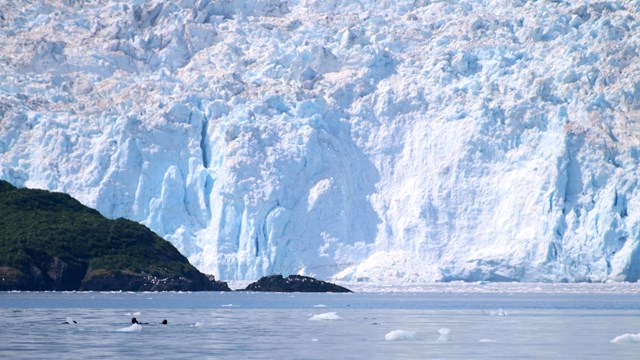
218	285
293	283
50	241
45	273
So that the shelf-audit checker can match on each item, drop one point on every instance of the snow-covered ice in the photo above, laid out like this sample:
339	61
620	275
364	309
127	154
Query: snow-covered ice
329	316
365	141
458	287
400	335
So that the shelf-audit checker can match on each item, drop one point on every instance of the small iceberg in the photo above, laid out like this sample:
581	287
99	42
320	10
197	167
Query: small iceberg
626	339
132	328
396	335
320	306
137	313
487	341
198	324
326	316
499	312
444	335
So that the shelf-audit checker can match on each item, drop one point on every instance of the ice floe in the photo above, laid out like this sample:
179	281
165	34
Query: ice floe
444	335
132	328
499	312
626	339
487	341
396	335
329	316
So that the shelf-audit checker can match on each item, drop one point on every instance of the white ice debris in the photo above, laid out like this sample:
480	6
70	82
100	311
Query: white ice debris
131	328
487	341
381	141
499	312
400	335
444	335
626	339
326	316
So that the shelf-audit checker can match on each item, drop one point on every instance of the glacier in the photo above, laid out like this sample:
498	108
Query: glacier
374	141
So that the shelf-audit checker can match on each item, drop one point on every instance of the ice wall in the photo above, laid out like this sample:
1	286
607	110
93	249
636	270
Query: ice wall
359	140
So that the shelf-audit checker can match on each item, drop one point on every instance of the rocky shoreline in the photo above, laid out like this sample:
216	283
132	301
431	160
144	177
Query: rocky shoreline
293	283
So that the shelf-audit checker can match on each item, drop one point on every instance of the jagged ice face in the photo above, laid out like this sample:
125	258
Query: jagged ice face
357	140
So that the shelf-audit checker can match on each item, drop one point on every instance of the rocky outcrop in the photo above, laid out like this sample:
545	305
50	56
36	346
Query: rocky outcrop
49	241
69	277
293	283
219	285
125	281
46	273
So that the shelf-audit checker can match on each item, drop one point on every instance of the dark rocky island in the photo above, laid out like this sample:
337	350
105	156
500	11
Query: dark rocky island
50	241
293	283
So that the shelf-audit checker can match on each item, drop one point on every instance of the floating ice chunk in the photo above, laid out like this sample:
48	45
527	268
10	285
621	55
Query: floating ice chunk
137	313
197	324
444	335
487	341
626	339
498	312
326	316
229	305
132	328
314	340
400	335
320	306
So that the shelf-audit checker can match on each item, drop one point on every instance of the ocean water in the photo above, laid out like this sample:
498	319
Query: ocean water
484	322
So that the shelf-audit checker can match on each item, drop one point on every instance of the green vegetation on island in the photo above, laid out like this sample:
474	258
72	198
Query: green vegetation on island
50	241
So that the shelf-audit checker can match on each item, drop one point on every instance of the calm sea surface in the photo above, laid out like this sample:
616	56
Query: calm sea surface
485	322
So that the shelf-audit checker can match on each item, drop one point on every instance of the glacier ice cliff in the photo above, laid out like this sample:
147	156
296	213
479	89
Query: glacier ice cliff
380	141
